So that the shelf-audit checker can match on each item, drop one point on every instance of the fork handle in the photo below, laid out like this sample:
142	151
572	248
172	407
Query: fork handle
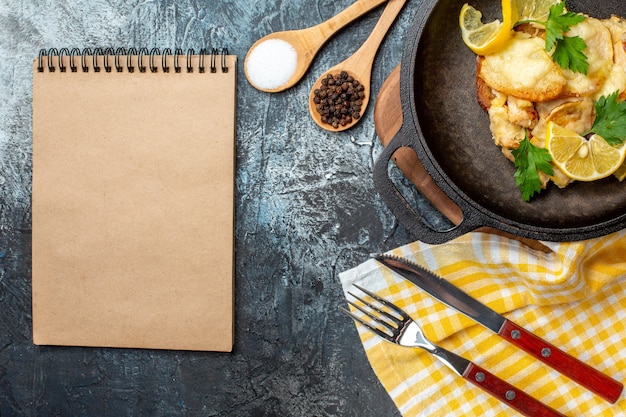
578	371
507	393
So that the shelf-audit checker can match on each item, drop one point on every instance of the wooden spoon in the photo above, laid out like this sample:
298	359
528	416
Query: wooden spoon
307	42
359	65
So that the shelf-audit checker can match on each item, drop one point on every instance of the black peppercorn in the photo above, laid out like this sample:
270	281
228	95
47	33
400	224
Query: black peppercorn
339	99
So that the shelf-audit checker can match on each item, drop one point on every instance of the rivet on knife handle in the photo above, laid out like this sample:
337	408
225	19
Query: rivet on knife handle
590	378
507	393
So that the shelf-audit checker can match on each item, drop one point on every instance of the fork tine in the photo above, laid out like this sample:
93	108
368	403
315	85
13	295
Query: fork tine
379	320
395	321
383	302
366	324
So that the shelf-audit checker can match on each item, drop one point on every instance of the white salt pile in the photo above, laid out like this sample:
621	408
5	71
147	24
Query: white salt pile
271	63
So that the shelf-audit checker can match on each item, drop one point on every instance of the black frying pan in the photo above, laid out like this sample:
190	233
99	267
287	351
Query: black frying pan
445	126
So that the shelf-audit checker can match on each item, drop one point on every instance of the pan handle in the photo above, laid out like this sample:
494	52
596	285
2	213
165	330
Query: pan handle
403	211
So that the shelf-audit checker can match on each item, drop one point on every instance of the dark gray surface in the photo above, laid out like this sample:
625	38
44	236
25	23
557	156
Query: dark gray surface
306	210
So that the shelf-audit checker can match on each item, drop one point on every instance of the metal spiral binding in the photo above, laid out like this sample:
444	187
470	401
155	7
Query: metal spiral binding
143	58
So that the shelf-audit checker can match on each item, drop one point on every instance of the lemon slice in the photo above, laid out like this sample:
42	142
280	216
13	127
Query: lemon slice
533	9
620	173
582	159
485	39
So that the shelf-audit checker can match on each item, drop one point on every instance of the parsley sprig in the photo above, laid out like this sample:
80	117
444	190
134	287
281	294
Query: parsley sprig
567	51
529	160
610	124
610	121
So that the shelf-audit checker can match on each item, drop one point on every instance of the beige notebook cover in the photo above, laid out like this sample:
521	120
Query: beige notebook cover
132	201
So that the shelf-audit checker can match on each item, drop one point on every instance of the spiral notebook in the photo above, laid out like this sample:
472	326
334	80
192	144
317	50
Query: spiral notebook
133	198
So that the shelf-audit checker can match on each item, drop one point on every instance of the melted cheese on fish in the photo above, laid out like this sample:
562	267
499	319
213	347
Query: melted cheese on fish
599	52
523	69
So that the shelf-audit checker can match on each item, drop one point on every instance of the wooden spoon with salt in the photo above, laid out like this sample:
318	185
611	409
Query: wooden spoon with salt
303	43
358	66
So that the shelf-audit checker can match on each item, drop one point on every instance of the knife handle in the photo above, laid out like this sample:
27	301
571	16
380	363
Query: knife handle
577	371
507	393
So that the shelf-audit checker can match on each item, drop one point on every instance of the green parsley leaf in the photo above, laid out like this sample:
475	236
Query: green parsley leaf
568	54
529	160
559	21
610	121
567	51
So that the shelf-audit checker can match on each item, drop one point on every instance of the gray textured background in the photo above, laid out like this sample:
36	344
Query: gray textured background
306	210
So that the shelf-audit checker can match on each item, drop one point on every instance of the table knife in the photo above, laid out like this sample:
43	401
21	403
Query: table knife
447	293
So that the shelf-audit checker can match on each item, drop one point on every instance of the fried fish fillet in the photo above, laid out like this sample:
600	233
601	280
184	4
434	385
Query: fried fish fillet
617	77
523	69
599	52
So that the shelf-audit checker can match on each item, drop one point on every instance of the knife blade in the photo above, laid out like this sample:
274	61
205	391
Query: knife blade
590	378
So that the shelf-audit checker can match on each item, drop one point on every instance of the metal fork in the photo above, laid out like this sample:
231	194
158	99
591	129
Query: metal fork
396	326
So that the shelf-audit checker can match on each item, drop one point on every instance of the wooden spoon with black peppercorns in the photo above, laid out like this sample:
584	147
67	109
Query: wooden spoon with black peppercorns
339	97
